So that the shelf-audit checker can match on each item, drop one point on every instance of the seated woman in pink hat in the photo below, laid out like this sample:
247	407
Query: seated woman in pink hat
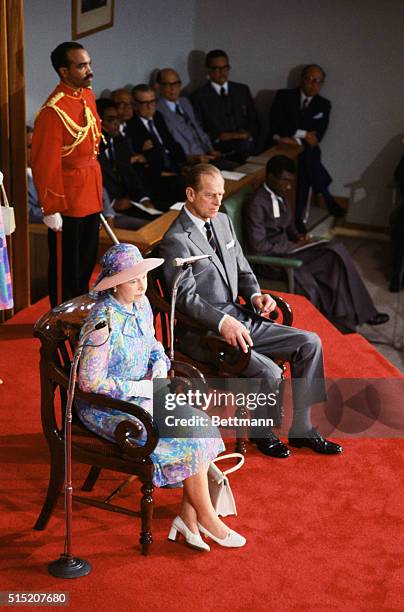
121	363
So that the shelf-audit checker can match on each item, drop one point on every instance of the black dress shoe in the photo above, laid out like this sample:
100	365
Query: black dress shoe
379	318
316	442
272	446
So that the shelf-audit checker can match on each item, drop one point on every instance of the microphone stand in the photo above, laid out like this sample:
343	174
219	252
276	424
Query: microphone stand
177	280
69	566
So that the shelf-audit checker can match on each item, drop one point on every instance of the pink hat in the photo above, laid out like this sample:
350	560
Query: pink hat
122	263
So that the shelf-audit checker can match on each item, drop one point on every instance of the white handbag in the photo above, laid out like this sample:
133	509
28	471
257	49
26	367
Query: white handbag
7	213
219	486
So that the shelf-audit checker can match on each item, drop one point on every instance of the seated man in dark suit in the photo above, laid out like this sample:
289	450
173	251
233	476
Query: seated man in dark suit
208	293
159	156
226	110
180	119
118	177
302	115
328	278
124	104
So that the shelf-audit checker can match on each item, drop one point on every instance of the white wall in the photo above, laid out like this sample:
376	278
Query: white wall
360	45
145	35
358	42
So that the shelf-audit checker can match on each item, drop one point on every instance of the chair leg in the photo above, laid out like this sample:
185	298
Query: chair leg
241	432
146	509
91	479
291	280
56	480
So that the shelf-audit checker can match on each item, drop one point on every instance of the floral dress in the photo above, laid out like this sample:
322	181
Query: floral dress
6	294
128	355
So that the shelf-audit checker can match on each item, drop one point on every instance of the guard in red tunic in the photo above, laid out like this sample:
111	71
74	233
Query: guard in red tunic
66	172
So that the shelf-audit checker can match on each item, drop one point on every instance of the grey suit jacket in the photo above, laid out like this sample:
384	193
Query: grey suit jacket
209	289
188	133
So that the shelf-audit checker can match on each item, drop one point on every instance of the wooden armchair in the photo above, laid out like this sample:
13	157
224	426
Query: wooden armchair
225	361
58	331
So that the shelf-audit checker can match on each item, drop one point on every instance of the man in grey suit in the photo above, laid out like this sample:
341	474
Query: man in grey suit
180	119
209	293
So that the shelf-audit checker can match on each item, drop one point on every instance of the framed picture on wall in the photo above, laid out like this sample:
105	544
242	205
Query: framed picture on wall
89	16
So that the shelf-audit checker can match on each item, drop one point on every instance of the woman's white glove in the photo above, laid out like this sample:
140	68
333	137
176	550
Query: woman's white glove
1	177
159	370
142	388
54	222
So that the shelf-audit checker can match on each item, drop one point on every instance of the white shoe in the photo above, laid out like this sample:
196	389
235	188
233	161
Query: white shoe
232	540
193	540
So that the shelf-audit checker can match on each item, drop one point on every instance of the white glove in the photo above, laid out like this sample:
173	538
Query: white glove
159	369
1	177
142	388
54	222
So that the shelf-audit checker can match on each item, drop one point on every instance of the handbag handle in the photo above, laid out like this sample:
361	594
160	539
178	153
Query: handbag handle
3	191
231	456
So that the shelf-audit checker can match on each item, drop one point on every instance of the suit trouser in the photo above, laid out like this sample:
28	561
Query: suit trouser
79	255
303	350
311	173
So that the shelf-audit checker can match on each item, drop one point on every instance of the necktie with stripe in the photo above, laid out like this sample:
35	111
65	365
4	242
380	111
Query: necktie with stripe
212	240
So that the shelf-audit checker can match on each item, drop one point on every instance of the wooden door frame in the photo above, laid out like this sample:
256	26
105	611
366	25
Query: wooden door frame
13	160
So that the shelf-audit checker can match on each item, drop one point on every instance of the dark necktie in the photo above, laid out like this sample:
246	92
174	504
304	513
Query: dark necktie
212	240
305	104
153	133
111	151
223	92
168	163
111	154
179	110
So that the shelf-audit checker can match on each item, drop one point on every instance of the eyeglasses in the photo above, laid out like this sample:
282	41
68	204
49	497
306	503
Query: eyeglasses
125	104
221	68
146	102
171	83
315	80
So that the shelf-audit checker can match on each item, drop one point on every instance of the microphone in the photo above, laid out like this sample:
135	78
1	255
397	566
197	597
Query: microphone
178	262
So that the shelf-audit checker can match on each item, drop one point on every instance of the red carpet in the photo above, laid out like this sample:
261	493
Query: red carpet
324	533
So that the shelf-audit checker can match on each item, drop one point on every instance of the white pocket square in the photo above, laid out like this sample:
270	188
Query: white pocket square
230	244
318	116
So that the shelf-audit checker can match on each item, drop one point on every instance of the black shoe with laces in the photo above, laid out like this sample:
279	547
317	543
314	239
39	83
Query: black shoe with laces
271	446
314	440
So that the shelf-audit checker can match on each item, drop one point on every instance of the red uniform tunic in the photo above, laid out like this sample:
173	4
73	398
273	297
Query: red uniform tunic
68	181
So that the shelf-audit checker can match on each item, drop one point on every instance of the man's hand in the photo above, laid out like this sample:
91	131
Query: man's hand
121	204
138	159
311	139
264	303
54	222
235	333
147	145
